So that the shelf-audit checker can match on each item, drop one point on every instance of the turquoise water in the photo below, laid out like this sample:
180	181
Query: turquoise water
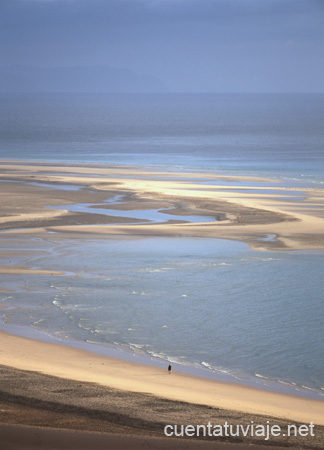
203	303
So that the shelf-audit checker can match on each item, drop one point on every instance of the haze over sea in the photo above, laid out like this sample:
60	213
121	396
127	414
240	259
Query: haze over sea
204	303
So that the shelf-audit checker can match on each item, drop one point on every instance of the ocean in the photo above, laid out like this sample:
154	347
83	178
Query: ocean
206	304
277	135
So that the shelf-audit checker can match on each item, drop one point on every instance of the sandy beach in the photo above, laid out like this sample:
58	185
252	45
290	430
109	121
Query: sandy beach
27	354
84	391
126	404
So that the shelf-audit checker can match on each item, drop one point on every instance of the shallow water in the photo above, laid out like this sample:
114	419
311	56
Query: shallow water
64	187
202	303
146	215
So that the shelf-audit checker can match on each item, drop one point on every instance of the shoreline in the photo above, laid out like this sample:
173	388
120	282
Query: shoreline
128	354
80	365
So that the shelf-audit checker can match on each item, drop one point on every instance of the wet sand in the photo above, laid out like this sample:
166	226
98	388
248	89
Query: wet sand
25	271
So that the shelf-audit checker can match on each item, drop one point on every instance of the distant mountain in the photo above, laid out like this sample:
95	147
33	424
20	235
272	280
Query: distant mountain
75	79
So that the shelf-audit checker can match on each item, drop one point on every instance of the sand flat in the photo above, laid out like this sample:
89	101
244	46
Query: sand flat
10	270
245	213
10	167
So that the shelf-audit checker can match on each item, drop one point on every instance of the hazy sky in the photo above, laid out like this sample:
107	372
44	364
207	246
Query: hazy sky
191	45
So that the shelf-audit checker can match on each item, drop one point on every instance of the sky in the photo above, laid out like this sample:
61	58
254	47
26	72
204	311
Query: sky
189	45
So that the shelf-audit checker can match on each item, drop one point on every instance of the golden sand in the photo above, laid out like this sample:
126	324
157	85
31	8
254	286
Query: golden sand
67	362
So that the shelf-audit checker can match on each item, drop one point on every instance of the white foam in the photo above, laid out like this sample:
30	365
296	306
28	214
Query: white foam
261	376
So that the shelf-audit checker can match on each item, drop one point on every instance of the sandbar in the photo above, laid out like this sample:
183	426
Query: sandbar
25	271
247	213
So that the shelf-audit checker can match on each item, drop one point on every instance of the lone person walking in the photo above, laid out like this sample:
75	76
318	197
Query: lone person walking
169	369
